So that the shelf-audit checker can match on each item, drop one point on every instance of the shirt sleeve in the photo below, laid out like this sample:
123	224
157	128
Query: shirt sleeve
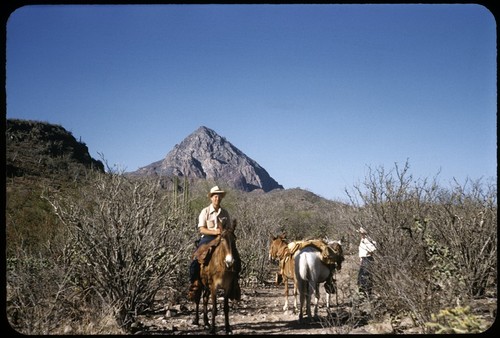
366	247
202	219
370	246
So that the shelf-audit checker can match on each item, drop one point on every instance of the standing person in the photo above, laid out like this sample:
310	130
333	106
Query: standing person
367	247
211	221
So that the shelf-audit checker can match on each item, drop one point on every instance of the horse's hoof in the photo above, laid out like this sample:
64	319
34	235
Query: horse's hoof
304	320
195	322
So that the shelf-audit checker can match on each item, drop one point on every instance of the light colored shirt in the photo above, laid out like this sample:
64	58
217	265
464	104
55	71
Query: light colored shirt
213	219
366	247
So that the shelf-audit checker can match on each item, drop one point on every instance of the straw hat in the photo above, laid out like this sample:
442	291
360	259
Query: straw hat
216	190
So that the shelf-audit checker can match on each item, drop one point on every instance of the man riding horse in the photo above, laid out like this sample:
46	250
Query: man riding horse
212	221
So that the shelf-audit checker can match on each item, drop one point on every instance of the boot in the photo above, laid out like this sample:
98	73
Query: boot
194	271
193	290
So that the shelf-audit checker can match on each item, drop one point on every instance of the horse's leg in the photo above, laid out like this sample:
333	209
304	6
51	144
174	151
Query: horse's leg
198	297
285	280
330	288
206	294
327	300
214	309
197	310
309	291
295	291
302	296
226	315
316	300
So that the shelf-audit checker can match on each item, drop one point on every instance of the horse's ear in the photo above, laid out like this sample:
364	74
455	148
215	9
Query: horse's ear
283	235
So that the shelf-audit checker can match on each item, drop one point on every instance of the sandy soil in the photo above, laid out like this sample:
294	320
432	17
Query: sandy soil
260	312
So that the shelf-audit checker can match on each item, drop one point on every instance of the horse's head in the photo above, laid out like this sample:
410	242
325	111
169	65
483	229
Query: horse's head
336	247
277	244
228	245
339	253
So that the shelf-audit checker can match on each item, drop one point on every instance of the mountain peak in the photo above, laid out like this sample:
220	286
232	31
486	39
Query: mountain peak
205	154
203	129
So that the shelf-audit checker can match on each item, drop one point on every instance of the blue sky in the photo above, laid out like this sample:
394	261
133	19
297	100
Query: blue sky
316	94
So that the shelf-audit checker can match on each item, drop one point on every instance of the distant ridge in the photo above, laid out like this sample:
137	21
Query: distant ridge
205	154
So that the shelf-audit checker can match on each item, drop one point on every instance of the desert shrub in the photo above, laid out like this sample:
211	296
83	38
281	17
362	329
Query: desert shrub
455	320
40	291
30	222
466	217
431	250
255	218
126	240
43	298
27	310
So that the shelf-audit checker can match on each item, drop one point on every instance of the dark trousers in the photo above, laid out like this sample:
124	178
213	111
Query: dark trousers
194	268
365	281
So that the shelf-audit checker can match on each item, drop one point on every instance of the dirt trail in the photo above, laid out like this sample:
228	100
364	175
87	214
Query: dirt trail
260	312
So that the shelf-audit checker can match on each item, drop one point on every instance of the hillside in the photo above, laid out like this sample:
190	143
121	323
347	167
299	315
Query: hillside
36	148
39	157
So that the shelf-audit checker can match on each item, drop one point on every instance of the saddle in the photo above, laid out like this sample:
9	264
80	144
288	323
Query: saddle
328	256
204	251
283	261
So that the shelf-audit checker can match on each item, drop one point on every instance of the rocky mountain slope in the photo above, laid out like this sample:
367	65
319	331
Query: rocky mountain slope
205	154
39	149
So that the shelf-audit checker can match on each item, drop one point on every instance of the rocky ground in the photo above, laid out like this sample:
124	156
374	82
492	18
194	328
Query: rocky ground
260	312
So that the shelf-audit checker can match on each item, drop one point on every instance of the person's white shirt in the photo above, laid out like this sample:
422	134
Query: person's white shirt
366	247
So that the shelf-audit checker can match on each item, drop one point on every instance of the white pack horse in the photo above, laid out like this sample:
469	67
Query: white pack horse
310	271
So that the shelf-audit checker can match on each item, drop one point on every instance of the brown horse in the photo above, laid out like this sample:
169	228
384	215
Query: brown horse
279	250
219	273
